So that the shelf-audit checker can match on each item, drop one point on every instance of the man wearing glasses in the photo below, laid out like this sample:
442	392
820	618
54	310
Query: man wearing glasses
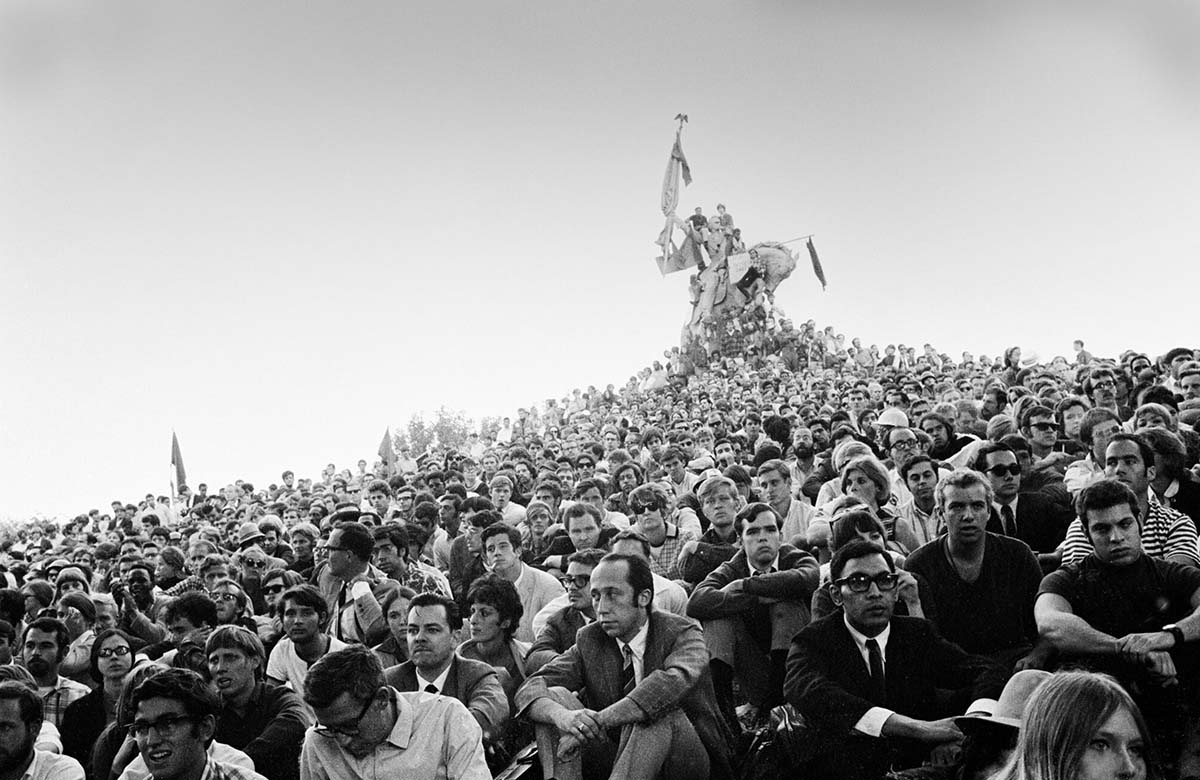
368	729
175	719
865	680
1031	517
556	632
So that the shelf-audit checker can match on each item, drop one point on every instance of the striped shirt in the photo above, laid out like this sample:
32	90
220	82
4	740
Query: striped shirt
1165	533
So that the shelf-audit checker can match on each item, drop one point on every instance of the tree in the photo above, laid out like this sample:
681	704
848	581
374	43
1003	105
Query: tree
448	428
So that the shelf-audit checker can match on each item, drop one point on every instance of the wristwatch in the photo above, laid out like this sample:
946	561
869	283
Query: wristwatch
1176	632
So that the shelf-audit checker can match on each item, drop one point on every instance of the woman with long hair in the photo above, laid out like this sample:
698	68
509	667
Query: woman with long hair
1081	726
111	658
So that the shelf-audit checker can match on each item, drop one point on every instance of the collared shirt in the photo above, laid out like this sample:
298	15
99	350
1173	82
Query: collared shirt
1164	533
434	738
56	700
51	766
637	647
438	682
999	507
422	579
871	723
664	560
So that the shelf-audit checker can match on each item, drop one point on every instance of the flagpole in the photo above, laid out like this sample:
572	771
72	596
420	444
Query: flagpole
798	238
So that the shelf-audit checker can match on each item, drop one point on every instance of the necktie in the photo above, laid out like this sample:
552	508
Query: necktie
878	690
628	678
1010	522
431	688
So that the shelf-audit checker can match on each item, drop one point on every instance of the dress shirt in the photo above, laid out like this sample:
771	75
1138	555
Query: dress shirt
637	646
438	682
871	723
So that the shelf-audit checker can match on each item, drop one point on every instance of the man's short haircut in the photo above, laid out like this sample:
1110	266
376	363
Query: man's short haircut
673	453
395	534
454	617
579	509
354	670
1035	410
584	485
1144	449
630	534
426	510
915	461
637	575
713	485
751	511
502	529
7	632
1105	494
51	626
778	466
28	702
357	538
552	486
237	638
589	557
858	548
939	418
980	462
1170	451
194	606
963	479
198	697
639	474
305	595
500	594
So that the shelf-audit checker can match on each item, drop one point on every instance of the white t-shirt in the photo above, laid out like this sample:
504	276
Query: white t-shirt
290	668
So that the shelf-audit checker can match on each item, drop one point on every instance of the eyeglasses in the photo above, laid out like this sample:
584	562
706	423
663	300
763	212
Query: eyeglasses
223	596
273	589
1107	384
254	563
1043	426
1000	470
332	548
861	583
352	730
109	652
641	509
904	444
578	581
167	726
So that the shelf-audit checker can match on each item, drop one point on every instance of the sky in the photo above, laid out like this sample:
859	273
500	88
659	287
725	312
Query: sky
277	228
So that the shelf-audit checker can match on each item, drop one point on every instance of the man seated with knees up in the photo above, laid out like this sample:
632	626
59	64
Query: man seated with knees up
751	607
650	712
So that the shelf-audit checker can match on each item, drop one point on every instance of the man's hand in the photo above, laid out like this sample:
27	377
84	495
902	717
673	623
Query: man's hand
568	746
938	732
1161	668
1134	646
735	587
906	587
688	550
1035	659
583	725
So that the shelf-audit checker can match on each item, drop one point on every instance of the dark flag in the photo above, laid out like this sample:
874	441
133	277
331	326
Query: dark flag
177	462
386	450
820	272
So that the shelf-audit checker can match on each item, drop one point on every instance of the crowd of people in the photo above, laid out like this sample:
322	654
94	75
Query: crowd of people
893	565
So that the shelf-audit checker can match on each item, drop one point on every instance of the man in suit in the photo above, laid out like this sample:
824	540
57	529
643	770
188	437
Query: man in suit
434	631
352	587
558	635
1031	517
752	606
865	681
502	547
644	673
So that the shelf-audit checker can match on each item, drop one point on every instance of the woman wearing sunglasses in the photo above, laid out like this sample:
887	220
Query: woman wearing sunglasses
111	659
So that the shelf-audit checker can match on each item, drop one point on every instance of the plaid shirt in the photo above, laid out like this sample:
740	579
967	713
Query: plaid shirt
62	695
664	561
219	770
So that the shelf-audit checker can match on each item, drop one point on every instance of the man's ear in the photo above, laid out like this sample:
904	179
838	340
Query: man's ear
207	728
1151	473
835	593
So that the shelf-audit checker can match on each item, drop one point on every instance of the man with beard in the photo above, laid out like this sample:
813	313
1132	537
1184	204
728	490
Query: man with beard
366	728
803	455
946	443
43	647
20	723
1101	387
266	722
304	612
434	631
174	723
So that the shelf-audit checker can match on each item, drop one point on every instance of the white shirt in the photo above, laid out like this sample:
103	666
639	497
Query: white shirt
288	667
637	647
438	682
51	766
871	723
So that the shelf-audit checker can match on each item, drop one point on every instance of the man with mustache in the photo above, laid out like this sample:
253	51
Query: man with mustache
20	723
43	647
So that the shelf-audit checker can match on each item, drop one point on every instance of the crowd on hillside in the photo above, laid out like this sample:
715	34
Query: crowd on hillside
792	552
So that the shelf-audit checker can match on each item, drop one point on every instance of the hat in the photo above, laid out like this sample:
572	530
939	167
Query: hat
893	417
82	603
248	533
1007	711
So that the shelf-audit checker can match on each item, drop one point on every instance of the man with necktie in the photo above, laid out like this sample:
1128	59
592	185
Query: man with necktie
865	682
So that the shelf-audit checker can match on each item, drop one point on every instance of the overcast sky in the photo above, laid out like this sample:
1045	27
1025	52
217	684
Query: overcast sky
279	227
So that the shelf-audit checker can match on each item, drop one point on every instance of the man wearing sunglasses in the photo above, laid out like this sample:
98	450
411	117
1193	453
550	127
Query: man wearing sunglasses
366	728
1031	517
865	681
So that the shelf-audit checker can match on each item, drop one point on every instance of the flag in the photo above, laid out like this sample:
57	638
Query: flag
177	462
820	272
676	165
674	258
386	450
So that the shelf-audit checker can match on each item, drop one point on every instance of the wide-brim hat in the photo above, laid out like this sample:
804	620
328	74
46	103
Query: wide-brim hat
248	532
1008	709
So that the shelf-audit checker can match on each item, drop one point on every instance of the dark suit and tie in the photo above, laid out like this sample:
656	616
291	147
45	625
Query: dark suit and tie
473	683
1038	521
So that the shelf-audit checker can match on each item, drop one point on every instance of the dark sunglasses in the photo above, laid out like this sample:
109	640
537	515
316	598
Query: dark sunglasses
1043	426
1000	470
641	509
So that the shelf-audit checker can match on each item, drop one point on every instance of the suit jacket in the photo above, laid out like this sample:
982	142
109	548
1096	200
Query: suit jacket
536	589
828	680
1041	522
557	636
796	580
474	683
676	676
